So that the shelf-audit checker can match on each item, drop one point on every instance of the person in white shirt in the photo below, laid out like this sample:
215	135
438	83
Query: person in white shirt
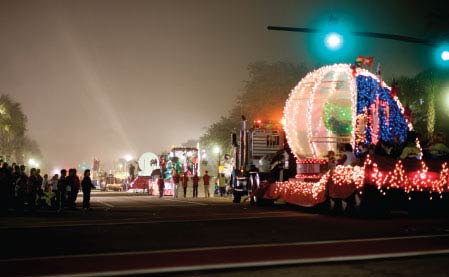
348	157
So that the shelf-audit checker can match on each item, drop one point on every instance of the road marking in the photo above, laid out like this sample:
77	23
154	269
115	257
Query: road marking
321	242
258	264
151	205
105	204
185	201
68	223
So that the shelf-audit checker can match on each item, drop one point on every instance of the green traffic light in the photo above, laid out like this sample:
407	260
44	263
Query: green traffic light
445	55
333	41
442	55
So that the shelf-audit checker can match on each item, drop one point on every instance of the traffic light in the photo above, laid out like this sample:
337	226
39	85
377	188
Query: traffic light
332	44
445	55
333	41
442	55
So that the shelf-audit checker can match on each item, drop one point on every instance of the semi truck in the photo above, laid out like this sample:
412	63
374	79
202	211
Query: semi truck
260	154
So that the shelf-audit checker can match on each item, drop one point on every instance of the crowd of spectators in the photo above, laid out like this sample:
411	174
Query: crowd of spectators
27	191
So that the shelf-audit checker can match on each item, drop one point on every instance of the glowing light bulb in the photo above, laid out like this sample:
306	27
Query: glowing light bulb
445	56
333	41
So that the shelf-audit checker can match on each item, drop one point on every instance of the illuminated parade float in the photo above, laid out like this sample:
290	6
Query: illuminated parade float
341	104
148	166
182	160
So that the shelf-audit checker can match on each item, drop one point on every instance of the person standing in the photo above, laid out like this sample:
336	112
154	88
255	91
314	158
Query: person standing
33	186
9	182
161	185
195	180
76	188
40	180
45	184
54	183
175	181
61	195
222	184
21	183
131	171
184	181
74	183
86	186
54	190
206	180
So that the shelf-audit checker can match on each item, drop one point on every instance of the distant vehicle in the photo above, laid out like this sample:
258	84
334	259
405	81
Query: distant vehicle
258	154
114	187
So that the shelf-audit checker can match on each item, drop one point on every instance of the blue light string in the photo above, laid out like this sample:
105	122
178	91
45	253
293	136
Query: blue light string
368	89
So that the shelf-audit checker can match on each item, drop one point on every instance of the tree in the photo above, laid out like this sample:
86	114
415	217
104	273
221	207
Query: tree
424	94
267	90
190	143
12	128
264	96
14	144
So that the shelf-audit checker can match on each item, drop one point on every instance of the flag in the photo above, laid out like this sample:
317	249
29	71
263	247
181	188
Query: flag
394	90
363	60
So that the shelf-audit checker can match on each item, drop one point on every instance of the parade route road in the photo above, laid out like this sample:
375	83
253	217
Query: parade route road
227	257
133	235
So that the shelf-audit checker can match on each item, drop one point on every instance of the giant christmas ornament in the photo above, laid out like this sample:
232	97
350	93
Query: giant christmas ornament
336	104
147	163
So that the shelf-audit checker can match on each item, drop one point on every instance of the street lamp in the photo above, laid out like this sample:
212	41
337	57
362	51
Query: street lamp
33	163
127	158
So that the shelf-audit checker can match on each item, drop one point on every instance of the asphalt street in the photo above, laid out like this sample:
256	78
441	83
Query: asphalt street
132	234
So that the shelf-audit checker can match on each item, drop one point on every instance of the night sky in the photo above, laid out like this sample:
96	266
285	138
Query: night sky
110	78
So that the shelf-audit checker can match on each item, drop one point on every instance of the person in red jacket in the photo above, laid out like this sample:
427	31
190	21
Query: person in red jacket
184	181
195	180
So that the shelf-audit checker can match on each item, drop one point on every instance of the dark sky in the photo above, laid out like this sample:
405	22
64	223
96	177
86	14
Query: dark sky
108	78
